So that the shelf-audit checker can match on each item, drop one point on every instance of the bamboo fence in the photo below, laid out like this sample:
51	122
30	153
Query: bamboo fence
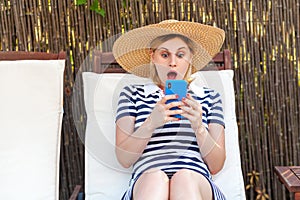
264	39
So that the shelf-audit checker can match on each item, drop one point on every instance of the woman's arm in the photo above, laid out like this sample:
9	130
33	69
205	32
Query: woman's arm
130	144
211	142
212	146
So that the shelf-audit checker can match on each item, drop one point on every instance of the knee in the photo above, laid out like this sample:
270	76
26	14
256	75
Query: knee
189	184
152	184
152	178
155	174
183	174
188	176
182	185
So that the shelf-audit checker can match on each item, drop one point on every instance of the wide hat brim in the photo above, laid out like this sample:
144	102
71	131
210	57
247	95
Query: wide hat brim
132	49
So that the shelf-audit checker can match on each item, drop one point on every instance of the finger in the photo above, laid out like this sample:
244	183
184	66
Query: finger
174	104
192	103
168	97
170	118
191	114
188	109
190	117
195	121
174	112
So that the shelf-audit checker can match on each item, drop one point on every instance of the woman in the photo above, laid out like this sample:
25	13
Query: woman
172	158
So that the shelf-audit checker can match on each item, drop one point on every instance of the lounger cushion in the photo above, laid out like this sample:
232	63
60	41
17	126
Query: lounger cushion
104	177
31	107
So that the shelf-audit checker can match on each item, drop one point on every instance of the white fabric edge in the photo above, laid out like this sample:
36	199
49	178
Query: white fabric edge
61	68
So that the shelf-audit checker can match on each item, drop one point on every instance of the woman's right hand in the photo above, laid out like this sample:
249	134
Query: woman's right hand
161	112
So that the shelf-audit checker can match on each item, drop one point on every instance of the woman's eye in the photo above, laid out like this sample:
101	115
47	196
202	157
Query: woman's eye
180	55
164	55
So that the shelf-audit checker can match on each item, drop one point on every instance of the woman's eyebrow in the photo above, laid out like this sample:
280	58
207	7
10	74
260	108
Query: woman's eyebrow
164	48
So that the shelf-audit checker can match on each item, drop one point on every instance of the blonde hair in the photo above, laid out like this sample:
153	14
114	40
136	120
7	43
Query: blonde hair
158	41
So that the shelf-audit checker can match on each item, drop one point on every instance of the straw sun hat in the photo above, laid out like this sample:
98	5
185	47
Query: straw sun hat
131	50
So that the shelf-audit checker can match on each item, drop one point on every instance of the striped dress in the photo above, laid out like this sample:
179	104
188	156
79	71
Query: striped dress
173	146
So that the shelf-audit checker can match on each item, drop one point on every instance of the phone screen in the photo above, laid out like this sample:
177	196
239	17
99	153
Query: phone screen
178	87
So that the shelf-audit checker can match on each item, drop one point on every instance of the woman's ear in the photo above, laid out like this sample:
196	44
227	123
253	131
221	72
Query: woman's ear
151	52
191	57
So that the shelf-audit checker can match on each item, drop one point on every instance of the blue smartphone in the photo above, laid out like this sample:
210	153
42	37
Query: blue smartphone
178	87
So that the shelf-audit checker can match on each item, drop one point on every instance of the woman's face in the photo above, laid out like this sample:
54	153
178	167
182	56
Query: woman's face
172	59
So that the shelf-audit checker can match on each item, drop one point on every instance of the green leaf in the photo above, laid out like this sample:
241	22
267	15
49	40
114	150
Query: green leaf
94	5
124	3
101	12
80	2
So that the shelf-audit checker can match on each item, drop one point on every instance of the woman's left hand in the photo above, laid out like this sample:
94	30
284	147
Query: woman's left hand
192	111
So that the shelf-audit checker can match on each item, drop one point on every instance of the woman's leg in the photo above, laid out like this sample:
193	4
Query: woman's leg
187	184
152	184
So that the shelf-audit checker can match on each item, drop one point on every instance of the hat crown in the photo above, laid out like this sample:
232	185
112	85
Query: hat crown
168	21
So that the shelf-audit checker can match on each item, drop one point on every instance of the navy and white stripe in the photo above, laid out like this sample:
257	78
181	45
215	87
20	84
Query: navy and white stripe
173	146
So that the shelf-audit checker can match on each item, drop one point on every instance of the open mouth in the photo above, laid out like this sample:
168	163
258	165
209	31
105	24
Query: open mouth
172	75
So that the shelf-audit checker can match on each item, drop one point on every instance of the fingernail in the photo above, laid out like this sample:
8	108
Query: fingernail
183	98
177	96
188	95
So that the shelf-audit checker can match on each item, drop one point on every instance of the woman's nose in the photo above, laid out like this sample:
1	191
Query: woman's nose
172	62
